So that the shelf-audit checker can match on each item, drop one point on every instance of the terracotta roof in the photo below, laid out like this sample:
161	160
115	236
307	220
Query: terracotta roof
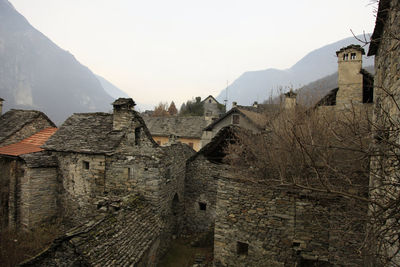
15	119
29	145
189	127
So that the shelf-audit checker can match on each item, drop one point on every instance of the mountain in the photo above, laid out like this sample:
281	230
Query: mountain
37	74
259	85
111	89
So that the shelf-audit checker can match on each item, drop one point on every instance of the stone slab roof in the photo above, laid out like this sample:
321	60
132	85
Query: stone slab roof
381	17
86	133
28	145
185	127
15	119
123	101
117	239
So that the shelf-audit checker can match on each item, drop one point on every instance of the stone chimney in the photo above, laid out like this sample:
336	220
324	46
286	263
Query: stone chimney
290	100
122	113
234	104
350	79
255	104
1	106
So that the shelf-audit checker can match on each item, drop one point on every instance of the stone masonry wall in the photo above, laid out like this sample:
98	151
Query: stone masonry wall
39	196
201	187
6	175
29	129
80	185
280	227
386	113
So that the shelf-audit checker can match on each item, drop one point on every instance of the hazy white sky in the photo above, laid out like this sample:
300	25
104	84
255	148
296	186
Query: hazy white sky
163	50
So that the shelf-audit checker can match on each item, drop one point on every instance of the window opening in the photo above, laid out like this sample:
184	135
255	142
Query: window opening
130	173
353	56
86	165
137	136
191	144
202	206
242	248
345	56
235	119
159	142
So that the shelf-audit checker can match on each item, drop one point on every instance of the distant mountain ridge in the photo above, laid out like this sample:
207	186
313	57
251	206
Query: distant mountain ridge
260	85
37	74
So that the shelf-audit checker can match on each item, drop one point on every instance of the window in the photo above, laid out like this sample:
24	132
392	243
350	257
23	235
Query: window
85	165
159	142
137	136
202	206
130	173
353	56
242	248
191	144
345	57
209	100
235	119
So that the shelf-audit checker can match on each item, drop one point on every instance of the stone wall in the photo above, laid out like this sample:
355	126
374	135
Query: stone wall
262	225
36	125
7	174
384	169
201	193
40	191
81	183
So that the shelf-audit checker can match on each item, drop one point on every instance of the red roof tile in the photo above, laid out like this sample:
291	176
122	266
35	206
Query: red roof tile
28	145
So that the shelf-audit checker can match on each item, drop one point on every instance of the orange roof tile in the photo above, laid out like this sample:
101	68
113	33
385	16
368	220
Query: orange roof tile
28	145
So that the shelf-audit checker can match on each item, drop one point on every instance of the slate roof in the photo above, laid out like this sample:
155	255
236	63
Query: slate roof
329	99
123	101
86	133
15	119
381	17
211	97
257	115
352	46
185	127
28	145
1	99
117	239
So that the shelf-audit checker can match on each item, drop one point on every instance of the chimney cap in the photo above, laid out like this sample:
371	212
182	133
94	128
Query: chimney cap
124	101
352	46
291	94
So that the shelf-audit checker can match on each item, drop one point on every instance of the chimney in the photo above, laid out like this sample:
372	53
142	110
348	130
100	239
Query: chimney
122	113
234	104
350	79
255	104
290	100
1	106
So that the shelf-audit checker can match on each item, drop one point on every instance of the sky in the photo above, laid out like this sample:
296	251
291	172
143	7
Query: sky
158	50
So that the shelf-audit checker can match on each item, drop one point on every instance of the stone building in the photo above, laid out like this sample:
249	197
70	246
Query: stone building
212	108
1	106
102	162
254	118
29	183
355	85
385	174
16	125
187	130
202	172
